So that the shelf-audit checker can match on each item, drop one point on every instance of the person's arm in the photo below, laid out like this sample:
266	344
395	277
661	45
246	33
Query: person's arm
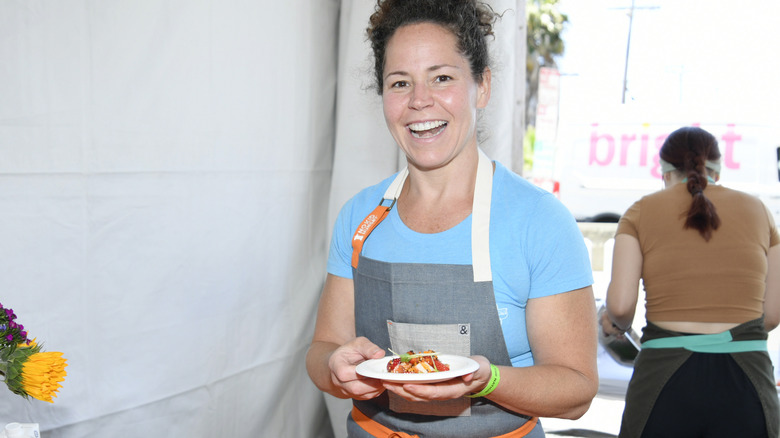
335	351
772	293
563	380
623	290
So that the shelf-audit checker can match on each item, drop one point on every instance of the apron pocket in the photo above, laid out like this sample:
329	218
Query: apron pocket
441	338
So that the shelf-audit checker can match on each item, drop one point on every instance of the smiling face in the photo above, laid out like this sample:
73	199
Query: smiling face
430	98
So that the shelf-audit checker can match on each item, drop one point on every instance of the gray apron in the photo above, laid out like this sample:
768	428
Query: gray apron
654	367
445	308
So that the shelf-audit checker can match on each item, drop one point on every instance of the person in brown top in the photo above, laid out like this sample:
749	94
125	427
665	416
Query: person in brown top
709	260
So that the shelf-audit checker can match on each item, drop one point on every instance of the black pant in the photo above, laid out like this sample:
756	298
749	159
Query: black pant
709	396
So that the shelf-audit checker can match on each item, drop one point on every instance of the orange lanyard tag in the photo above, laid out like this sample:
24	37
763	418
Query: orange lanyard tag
366	227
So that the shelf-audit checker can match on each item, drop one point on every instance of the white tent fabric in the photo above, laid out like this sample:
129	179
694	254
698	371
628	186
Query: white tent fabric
169	174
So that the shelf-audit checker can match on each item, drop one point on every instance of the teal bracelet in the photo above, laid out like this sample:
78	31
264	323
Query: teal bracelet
495	377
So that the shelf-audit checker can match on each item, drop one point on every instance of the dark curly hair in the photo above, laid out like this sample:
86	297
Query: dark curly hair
470	21
687	149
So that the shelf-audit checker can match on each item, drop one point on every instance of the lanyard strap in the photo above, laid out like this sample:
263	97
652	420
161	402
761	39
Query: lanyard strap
378	215
715	343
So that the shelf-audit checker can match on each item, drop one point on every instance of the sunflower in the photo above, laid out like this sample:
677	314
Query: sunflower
25	369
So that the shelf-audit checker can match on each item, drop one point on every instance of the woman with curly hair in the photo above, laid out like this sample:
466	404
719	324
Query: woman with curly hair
461	256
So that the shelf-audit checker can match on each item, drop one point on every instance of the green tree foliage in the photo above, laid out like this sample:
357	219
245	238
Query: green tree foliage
528	149
545	24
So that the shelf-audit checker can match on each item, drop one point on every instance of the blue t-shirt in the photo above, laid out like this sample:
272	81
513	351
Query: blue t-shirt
536	248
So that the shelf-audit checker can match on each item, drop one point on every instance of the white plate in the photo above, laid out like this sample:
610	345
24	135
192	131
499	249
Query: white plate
377	369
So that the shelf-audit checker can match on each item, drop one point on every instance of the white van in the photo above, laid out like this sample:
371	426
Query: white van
604	160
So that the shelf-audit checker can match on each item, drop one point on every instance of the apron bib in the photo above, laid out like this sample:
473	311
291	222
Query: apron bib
446	308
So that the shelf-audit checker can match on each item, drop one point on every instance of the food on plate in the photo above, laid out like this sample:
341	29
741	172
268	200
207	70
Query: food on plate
416	363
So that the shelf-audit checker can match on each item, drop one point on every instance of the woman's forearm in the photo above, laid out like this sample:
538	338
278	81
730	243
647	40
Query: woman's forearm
545	391
317	366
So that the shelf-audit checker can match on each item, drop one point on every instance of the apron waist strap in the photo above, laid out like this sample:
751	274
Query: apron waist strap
374	428
379	431
713	343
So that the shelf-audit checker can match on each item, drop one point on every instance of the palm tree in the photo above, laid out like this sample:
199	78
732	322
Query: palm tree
545	24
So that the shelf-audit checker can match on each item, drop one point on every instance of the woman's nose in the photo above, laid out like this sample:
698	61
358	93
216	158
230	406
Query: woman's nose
421	97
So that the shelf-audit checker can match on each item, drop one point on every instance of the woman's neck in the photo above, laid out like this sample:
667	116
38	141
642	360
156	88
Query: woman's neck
438	199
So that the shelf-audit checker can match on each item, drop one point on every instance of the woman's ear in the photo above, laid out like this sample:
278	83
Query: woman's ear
483	89
667	179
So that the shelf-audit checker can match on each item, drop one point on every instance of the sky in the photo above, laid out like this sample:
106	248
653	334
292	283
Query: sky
682	52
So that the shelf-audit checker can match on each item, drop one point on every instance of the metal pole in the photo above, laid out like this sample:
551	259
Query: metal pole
628	48
518	121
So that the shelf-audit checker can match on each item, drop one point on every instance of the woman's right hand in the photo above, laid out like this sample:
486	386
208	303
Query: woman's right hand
335	350
342	363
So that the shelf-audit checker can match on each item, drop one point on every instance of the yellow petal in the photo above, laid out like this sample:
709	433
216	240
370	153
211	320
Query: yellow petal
41	374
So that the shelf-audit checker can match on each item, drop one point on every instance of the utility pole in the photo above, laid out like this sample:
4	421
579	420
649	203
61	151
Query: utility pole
628	49
518	121
628	43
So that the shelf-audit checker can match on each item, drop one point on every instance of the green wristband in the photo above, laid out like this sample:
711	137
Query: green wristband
495	377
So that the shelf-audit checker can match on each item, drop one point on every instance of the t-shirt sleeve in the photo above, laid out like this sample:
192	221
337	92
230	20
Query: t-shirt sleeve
629	221
774	237
340	252
350	216
558	255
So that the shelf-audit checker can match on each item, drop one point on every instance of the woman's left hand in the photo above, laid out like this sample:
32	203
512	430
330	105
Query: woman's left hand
608	327
447	390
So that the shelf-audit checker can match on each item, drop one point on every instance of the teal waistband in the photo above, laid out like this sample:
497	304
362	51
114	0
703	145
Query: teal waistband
714	343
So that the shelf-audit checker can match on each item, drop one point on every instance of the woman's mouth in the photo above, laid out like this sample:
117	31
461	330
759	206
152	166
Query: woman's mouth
427	129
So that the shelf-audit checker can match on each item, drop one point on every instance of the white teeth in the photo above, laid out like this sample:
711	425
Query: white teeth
425	126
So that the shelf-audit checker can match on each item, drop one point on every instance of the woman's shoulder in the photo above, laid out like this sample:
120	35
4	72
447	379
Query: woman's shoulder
739	201
377	190
734	194
727	201
364	201
508	180
518	197
718	194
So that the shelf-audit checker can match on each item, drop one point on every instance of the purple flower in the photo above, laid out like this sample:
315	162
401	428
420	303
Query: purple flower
10	338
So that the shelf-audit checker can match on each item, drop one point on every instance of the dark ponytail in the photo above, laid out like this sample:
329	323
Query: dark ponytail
688	149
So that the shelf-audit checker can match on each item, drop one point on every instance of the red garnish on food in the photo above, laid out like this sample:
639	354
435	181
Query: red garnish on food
415	363
393	363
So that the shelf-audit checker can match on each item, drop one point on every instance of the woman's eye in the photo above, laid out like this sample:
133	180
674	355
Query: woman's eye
399	84
443	78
